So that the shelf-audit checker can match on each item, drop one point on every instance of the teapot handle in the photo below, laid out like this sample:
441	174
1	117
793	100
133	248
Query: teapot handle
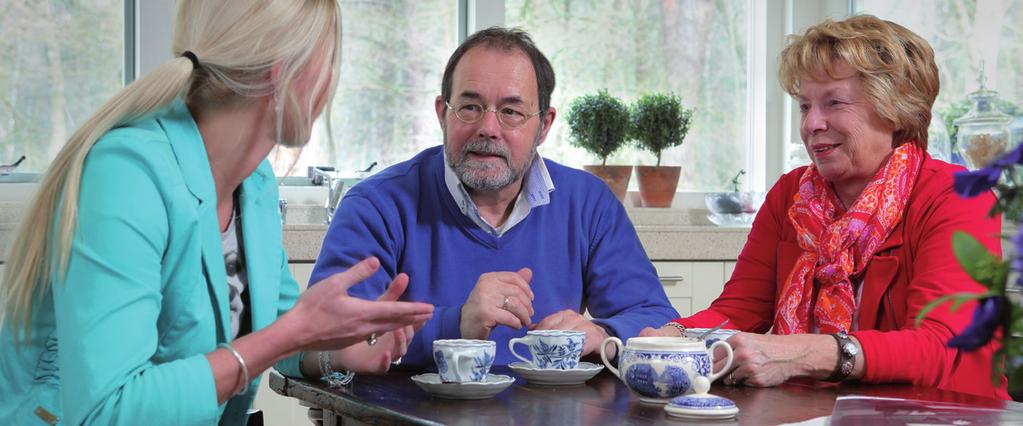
603	355
728	364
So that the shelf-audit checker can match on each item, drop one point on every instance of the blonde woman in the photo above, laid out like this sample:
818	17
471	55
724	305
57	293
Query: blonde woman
148	284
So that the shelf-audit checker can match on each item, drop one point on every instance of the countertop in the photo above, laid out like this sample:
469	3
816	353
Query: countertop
666	234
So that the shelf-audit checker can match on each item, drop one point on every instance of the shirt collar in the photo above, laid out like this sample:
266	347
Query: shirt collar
536	188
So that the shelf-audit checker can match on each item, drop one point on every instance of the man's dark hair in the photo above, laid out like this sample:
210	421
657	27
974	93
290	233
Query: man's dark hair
505	39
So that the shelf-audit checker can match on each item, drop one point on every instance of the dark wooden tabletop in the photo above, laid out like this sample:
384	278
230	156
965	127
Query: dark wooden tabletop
394	399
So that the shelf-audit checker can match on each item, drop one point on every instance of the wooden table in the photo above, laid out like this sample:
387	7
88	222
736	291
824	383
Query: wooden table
394	399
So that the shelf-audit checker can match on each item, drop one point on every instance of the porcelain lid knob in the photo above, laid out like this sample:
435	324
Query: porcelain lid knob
701	385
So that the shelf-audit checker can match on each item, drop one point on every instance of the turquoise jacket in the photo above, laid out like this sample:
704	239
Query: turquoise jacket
122	338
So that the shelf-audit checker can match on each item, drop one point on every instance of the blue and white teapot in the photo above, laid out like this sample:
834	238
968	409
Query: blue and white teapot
660	368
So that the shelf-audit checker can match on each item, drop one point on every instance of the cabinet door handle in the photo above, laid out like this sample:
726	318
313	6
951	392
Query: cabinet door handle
672	280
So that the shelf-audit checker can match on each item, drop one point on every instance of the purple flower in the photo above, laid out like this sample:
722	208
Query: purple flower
985	320
1017	261
973	183
1008	160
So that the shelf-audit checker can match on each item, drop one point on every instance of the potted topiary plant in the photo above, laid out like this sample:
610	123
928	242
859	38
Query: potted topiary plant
659	121
600	124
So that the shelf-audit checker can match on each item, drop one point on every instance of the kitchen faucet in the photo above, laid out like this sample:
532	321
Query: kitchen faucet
324	175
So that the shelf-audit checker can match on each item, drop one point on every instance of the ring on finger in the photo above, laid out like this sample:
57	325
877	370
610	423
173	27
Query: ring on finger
372	339
504	304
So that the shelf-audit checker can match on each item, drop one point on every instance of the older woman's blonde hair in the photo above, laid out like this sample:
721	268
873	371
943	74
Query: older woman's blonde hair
895	66
247	50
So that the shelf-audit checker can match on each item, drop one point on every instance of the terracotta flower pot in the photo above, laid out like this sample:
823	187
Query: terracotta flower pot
616	177
657	184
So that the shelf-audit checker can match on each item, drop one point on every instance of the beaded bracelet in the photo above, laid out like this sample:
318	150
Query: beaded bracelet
244	387
334	379
681	328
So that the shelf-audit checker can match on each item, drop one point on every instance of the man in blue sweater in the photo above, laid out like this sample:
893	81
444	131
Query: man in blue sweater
479	228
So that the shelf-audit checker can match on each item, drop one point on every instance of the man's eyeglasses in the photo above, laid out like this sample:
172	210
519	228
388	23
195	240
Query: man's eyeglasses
509	117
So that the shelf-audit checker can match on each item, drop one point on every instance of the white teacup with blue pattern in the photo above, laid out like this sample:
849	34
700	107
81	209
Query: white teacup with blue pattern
551	349
463	360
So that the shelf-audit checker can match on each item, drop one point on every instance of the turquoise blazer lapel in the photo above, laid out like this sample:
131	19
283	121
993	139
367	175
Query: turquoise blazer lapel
195	168
261	229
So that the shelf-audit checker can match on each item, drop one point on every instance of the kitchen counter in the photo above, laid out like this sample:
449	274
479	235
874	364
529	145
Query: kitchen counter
666	234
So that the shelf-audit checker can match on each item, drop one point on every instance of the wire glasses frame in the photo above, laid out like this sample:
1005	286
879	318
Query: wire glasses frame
508	118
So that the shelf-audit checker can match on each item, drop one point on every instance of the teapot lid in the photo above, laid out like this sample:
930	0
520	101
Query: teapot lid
701	404
662	343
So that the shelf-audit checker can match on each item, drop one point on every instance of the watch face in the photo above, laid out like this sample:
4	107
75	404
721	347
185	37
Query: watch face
850	349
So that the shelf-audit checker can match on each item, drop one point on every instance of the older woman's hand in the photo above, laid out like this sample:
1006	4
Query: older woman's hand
769	360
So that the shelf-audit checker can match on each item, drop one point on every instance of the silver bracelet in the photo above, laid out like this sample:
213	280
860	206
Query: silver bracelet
245	369
681	328
334	379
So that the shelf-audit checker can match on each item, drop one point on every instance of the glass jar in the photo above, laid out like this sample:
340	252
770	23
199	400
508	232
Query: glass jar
938	143
983	134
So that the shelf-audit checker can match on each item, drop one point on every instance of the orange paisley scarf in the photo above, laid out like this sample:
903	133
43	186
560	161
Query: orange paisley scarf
839	244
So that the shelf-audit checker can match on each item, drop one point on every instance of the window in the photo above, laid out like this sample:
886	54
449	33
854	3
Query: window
698	50
61	61
393	57
966	35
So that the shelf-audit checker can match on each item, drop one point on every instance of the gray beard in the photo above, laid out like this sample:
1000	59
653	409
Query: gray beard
487	177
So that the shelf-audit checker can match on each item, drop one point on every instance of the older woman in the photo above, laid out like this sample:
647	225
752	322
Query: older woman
846	251
148	284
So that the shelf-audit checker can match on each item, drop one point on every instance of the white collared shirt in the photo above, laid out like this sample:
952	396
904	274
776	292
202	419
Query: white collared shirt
536	188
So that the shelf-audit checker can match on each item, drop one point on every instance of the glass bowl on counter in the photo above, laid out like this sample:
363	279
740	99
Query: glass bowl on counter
733	208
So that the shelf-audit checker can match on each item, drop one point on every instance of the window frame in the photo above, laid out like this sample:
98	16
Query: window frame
773	121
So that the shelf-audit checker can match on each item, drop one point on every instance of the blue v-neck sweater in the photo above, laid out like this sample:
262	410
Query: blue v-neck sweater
582	249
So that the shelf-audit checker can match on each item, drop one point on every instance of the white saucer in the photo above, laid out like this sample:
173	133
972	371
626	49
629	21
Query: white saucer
492	385
540	376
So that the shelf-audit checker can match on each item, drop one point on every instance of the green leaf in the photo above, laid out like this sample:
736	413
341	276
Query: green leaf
998	367
977	261
957	298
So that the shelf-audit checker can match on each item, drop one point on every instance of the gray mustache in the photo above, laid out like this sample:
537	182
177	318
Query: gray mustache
484	147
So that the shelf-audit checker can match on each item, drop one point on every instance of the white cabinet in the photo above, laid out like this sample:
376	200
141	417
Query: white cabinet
301	272
692	286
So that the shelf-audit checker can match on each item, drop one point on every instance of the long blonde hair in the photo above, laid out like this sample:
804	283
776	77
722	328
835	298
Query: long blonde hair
238	43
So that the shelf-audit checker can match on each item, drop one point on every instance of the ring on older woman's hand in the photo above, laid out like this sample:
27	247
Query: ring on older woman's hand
372	339
731	378
397	361
504	304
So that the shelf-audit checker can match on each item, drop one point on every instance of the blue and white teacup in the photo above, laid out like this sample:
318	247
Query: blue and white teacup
708	336
463	360
551	349
659	368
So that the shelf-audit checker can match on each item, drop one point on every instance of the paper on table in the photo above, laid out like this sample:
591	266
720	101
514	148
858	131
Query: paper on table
876	411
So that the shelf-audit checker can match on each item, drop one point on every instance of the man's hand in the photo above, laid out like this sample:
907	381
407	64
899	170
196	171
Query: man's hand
499	298
664	331
572	320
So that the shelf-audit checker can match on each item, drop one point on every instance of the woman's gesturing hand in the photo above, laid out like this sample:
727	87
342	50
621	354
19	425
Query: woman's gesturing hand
327	318
391	346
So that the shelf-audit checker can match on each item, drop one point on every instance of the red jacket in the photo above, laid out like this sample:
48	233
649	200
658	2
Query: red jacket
913	267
